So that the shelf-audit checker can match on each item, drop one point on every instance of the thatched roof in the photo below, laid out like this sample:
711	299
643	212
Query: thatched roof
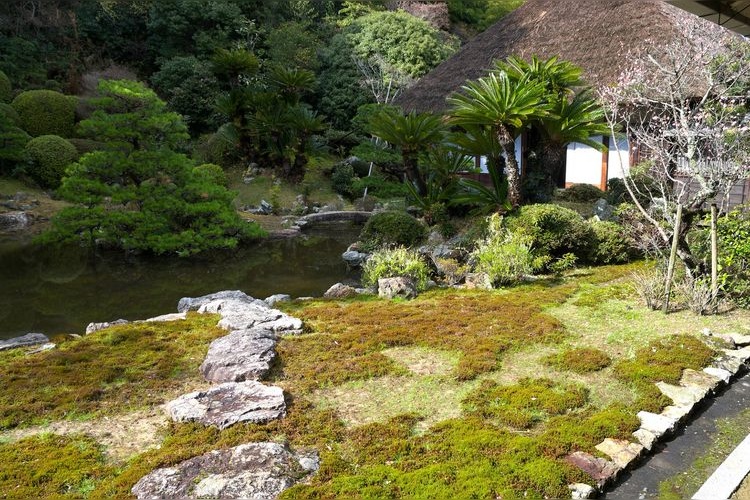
597	35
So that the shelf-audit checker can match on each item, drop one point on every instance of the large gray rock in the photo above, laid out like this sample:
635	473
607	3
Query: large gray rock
226	404
24	341
241	355
279	297
355	259
241	312
256	471
14	221
603	210
95	327
340	291
390	288
195	303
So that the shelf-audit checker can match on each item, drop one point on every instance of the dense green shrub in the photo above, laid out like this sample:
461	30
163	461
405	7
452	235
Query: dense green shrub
643	188
582	193
84	146
553	230
611	244
13	141
505	256
190	88
10	113
396	262
379	187
212	173
46	112
6	88
47	157
138	193
342	179
734	253
392	228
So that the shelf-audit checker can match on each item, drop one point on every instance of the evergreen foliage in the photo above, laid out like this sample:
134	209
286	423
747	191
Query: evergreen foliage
47	158
190	88
138	193
12	143
46	112
6	88
392	228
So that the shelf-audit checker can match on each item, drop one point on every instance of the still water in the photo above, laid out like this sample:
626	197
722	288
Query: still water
62	290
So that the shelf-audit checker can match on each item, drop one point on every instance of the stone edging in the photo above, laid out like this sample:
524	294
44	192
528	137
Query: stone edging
693	387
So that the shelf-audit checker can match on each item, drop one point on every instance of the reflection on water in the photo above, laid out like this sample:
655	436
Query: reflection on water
62	290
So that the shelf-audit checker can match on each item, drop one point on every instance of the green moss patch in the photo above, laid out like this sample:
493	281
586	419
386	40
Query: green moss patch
523	404
51	466
580	360
113	370
662	360
350	335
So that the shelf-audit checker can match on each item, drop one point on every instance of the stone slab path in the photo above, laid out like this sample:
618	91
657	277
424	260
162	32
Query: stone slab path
234	364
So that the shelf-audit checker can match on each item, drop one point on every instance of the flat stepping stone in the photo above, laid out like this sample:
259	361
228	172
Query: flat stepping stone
241	312
226	404
699	379
167	317
258	471
241	355
27	340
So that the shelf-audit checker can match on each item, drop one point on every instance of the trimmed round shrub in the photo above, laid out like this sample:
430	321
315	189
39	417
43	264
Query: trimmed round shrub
392	229
554	230
9	112
611	246
48	156
393	263
581	193
46	112
212	172
6	88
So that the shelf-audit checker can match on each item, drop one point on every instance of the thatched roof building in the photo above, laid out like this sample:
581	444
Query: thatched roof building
597	35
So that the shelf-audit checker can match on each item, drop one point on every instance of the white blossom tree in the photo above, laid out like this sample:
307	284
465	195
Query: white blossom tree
685	107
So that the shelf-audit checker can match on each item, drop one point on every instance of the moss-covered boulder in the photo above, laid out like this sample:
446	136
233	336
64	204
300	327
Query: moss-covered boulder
48	156
46	112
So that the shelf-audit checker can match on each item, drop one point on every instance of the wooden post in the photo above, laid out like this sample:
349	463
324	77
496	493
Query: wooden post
672	257
714	260
605	164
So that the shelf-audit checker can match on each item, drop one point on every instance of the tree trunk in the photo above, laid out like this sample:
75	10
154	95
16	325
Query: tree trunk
412	173
508	144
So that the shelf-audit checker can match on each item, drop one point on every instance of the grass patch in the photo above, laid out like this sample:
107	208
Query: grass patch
114	370
51	466
731	432
581	360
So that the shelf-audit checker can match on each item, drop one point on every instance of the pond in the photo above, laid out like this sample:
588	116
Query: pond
62	290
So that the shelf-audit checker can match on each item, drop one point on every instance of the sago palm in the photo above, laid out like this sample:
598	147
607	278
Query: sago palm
505	105
411	133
